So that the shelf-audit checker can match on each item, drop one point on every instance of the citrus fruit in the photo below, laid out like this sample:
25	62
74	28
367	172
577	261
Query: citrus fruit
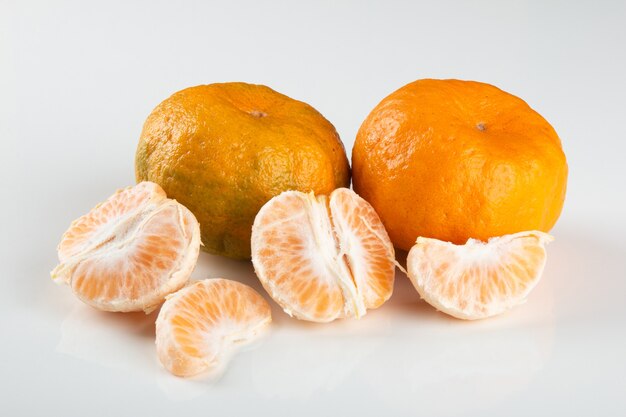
477	279
454	160
130	251
323	257
199	326
223	150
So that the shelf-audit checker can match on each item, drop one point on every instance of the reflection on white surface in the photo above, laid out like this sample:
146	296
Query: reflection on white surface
183	389
466	366
404	347
115	340
300	364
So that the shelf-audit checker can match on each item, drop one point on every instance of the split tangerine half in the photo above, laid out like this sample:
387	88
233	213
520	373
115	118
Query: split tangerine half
325	257
130	251
199	326
478	279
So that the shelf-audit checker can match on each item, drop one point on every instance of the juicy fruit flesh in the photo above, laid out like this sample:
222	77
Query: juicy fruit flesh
127	253
199	326
322	258
478	279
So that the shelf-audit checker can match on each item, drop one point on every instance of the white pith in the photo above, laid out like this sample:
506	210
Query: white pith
351	247
332	246
119	233
496	253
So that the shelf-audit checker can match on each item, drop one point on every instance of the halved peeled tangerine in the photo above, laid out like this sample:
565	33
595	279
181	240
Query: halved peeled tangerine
323	257
199	326
130	251
478	279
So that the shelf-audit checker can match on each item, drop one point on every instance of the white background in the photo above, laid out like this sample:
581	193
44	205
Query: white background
77	80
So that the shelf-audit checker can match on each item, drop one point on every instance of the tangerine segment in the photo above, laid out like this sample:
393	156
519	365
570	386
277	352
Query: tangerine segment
478	279
322	258
129	252
199	326
365	244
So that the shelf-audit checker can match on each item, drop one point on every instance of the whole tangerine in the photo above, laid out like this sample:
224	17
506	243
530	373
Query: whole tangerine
453	160
223	150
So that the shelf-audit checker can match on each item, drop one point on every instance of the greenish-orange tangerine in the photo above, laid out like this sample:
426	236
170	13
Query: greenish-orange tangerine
223	150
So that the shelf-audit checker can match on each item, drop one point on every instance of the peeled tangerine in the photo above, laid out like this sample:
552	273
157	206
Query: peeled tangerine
478	279
130	251
199	326
324	257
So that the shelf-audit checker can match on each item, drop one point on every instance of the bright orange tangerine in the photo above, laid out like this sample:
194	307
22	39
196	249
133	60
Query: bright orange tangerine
454	160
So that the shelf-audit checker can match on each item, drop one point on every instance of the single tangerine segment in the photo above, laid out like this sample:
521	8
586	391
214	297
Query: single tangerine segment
199	327
478	279
325	257
130	251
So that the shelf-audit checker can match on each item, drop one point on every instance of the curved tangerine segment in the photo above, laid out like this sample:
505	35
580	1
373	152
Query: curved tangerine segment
478	279
371	257
199	326
322	258
286	236
130	261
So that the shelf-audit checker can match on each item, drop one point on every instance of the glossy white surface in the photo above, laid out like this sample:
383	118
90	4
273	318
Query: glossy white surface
78	80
